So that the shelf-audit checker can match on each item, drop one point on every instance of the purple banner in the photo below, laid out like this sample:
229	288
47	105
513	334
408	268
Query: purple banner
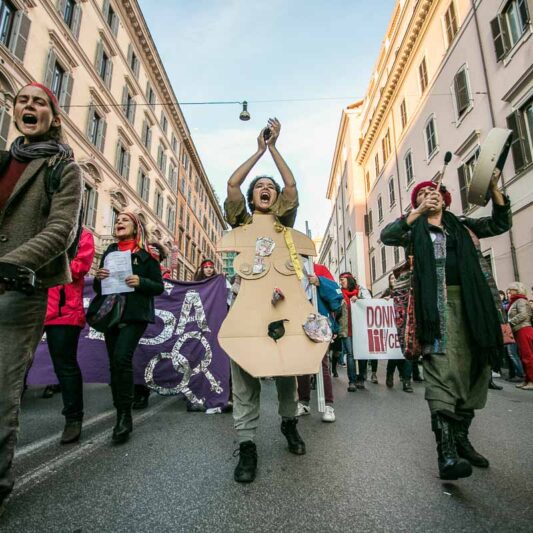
179	354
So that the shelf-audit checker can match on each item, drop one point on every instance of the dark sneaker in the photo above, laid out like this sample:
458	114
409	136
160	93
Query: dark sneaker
407	386
352	387
389	381
72	432
295	442
246	469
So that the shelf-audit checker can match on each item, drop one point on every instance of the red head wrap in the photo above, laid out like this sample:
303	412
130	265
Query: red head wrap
53	99
207	263
446	196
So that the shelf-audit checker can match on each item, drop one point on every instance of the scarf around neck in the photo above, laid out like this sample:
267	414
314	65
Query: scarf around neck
30	151
515	297
481	314
130	244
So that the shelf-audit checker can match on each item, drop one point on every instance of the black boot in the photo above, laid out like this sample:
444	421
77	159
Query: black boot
493	385
72	432
407	387
464	446
123	427
296	444
451	466
247	467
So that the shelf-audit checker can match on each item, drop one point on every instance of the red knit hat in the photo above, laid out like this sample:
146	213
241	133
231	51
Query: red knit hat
446	196
53	99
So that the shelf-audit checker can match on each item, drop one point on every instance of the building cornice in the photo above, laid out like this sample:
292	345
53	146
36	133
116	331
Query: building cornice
402	56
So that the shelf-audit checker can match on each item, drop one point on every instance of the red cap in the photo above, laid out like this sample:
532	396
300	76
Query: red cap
53	99
446	196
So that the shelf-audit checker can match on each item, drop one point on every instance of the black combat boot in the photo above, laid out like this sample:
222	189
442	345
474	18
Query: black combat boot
451	466
464	446
296	444
123	427
71	432
407	387
247	467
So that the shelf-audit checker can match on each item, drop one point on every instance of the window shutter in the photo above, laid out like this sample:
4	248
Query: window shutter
100	137
160	156
117	157
109	73
519	144
95	207
130	54
127	157
50	63
5	120
66	92
147	189
76	21
461	91
147	91
463	187
524	15
99	56
61	6
497	36
105	9
19	34
139	182
149	139
124	99
131	116
114	24
90	115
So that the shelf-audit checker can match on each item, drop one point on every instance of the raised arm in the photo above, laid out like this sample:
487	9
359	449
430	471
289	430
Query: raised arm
286	174
238	177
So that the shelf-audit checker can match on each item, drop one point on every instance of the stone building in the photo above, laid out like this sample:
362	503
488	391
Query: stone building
447	72
120	116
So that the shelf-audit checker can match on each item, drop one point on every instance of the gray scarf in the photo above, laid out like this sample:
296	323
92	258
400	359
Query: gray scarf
52	149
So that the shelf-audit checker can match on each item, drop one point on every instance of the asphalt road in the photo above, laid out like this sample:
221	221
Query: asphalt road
372	470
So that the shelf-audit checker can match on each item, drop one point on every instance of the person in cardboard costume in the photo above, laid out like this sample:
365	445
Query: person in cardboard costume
263	332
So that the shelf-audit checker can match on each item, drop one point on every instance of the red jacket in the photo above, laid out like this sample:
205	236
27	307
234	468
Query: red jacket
65	302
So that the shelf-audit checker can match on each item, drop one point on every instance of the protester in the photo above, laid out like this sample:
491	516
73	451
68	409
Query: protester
122	339
520	314
38	223
141	393
65	318
329	300
457	319
264	196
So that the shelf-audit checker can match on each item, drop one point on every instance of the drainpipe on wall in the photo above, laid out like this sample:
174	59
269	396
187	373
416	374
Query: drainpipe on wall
493	123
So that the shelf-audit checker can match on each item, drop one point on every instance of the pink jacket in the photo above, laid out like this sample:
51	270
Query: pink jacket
65	302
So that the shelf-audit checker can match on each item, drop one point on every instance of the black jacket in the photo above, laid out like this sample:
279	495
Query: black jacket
139	304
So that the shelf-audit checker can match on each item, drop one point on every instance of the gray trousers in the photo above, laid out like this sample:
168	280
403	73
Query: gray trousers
21	328
246	395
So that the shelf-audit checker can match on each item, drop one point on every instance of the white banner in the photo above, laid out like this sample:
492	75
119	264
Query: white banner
374	332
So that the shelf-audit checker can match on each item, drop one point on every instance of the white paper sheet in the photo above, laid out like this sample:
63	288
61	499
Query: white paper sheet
119	266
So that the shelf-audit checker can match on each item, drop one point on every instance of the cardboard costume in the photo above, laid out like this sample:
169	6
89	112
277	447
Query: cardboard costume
264	264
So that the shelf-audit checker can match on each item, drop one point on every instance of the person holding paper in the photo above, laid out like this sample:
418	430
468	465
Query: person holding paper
122	340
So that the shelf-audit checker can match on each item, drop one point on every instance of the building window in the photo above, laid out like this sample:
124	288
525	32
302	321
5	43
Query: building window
158	203
385	146
143	185
380	209
161	159
509	26
173	177
465	172
59	81
104	65
150	95
423	75
171	217
122	161
408	162
370	222
383	259
96	128
90	201
430	133
14	28
5	121
373	267
7	14
133	61
376	164
450	23
164	123
110	17
146	135
174	144
128	104
396	255
392	195
403	113
461	92
521	123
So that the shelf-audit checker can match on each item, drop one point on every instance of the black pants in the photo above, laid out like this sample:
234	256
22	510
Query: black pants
405	368
121	343
63	347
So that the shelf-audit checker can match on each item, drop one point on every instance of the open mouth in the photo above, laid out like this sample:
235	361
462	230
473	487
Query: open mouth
29	119
264	197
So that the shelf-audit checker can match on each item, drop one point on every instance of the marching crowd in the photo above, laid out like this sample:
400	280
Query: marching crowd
460	332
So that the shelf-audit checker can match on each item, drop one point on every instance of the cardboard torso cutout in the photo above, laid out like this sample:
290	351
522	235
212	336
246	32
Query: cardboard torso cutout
243	334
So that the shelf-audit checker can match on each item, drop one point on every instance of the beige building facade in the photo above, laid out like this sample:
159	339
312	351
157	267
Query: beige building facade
447	73
120	117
